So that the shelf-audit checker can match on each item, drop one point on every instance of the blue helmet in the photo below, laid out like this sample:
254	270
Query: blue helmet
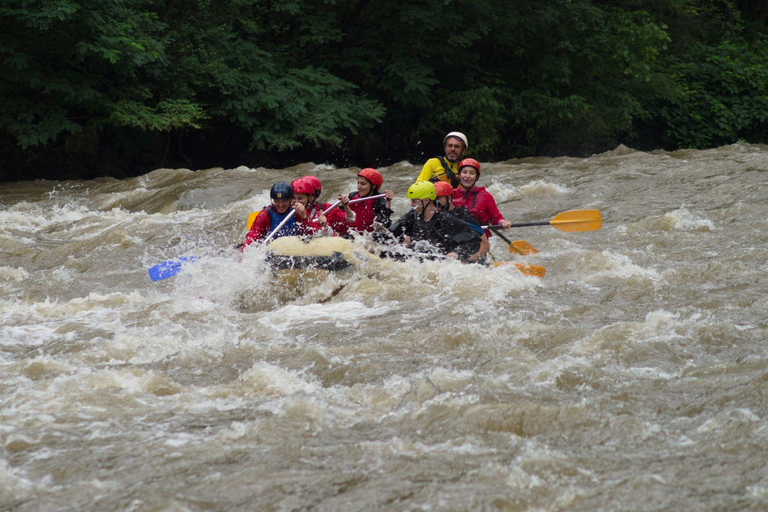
281	190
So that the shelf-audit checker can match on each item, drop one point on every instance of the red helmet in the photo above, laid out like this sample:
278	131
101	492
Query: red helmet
315	183
470	162
303	186
373	176
443	189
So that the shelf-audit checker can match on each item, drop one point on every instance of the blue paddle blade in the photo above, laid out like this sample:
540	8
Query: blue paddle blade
168	268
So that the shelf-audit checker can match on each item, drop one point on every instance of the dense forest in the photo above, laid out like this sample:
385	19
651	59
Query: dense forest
121	87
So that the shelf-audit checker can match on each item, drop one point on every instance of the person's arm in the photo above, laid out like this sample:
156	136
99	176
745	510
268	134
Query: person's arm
349	214
494	214
307	221
382	212
485	246
429	169
463	239
338	221
259	228
403	225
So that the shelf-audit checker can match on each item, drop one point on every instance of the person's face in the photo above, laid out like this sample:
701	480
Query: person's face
282	205
418	205
467	176
363	186
302	199
442	202
454	149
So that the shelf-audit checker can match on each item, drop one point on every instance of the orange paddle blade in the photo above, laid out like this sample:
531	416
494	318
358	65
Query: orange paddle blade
578	220
522	247
528	270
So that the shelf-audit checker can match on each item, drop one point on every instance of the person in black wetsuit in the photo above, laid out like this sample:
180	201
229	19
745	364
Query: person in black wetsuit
425	225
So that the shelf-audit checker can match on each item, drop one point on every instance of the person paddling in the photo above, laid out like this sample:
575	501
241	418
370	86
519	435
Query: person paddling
271	216
311	218
445	168
476	199
376	210
444	203
425	223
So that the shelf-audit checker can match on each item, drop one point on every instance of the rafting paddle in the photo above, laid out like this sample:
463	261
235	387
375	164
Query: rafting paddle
528	270
573	220
272	234
334	205
519	246
168	268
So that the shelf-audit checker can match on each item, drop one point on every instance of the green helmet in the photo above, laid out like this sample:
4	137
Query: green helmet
422	190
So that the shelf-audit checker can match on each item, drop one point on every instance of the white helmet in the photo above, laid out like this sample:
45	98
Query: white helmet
458	135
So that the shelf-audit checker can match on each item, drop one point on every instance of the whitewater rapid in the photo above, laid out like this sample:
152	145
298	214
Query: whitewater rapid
629	378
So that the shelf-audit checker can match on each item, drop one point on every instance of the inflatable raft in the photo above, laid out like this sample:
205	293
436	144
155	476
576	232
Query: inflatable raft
336	253
322	253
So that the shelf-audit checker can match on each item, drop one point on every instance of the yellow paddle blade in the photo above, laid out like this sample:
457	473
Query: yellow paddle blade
528	270
522	247
252	219
578	220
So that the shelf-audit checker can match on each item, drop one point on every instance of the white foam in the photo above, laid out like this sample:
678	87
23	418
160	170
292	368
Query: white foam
12	486
615	265
685	220
13	274
272	380
341	314
542	188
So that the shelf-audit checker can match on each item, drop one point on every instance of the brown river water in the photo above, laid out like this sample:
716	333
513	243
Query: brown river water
633	376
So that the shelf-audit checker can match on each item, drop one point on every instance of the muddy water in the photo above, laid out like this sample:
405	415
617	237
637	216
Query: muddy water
631	377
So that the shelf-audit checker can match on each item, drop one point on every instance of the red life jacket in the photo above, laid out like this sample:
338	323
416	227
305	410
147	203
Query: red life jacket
364	214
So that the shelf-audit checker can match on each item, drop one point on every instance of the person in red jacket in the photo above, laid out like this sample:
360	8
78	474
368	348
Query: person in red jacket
309	213
366	212
477	200
444	203
272	216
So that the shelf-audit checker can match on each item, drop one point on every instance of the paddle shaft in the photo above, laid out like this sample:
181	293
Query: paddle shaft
499	234
279	226
334	205
494	227
570	221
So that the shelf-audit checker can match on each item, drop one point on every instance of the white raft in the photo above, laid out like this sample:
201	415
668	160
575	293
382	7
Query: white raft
325	253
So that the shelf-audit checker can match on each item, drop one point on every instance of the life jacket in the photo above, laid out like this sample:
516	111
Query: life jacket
480	204
452	178
365	212
289	228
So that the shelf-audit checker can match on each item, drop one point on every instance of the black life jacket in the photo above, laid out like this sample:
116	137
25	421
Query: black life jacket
448	172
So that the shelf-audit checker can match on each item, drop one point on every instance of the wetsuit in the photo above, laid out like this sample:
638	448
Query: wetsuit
445	231
465	215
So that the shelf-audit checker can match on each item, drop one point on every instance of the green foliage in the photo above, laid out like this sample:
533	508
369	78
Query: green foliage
519	77
68	63
715	95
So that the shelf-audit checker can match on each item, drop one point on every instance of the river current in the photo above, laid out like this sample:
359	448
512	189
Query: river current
631	377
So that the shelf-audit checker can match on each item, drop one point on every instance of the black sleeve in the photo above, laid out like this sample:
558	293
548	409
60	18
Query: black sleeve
459	235
404	225
464	214
382	214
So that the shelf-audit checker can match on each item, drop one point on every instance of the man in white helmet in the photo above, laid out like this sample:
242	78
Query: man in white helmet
446	168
